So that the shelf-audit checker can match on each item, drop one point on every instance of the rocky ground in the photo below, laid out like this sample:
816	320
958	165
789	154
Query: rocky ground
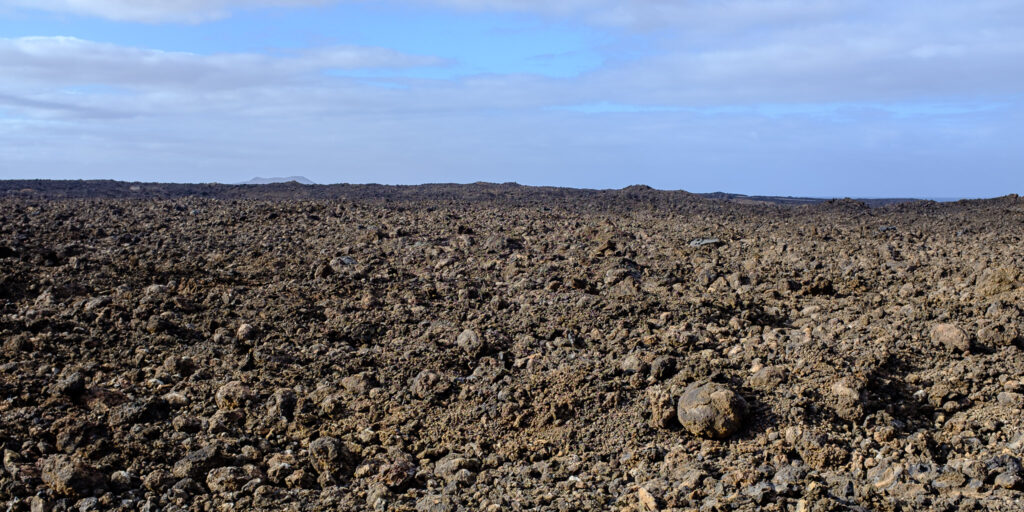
471	350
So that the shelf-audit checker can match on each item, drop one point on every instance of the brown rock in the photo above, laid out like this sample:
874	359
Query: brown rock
847	395
233	395
329	457
246	332
470	342
711	410
226	479
647	499
158	480
662	408
951	337
72	477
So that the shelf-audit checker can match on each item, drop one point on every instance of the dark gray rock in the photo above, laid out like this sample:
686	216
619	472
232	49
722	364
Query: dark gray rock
329	457
339	264
282	404
663	367
197	463
71	384
434	504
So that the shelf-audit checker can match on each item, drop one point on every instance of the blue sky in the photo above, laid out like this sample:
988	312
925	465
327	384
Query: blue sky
810	97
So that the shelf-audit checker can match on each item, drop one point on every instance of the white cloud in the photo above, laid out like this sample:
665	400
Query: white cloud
73	61
66	77
700	15
630	13
821	68
696	16
78	104
152	11
728	52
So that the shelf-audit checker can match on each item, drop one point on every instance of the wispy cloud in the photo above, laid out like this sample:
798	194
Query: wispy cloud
626	13
722	90
155	11
69	60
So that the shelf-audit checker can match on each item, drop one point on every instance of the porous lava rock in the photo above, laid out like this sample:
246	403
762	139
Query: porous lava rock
711	410
499	347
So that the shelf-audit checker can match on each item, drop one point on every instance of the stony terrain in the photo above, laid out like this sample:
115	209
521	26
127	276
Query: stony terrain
484	348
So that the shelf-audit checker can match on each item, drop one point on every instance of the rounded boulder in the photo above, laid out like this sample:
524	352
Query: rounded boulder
711	410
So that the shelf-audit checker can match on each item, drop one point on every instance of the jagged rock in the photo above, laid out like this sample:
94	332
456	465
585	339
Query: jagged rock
226	479
158	480
233	395
951	337
449	467
703	242
428	384
196	463
72	477
282	404
663	367
71	384
847	397
662	408
330	458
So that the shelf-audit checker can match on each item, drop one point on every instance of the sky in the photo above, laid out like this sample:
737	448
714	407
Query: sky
823	98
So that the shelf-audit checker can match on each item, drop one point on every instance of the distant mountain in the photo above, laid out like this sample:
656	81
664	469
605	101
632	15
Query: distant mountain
268	181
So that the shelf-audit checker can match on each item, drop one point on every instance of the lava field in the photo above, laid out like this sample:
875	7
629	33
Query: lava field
496	347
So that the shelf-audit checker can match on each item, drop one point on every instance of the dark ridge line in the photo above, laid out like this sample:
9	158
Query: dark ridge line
478	191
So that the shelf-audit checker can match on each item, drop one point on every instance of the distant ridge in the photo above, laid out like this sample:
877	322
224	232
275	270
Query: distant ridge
270	181
480	191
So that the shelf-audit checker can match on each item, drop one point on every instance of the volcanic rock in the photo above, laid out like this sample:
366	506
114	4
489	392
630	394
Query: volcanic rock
711	410
233	395
493	346
470	342
72	477
226	479
951	337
